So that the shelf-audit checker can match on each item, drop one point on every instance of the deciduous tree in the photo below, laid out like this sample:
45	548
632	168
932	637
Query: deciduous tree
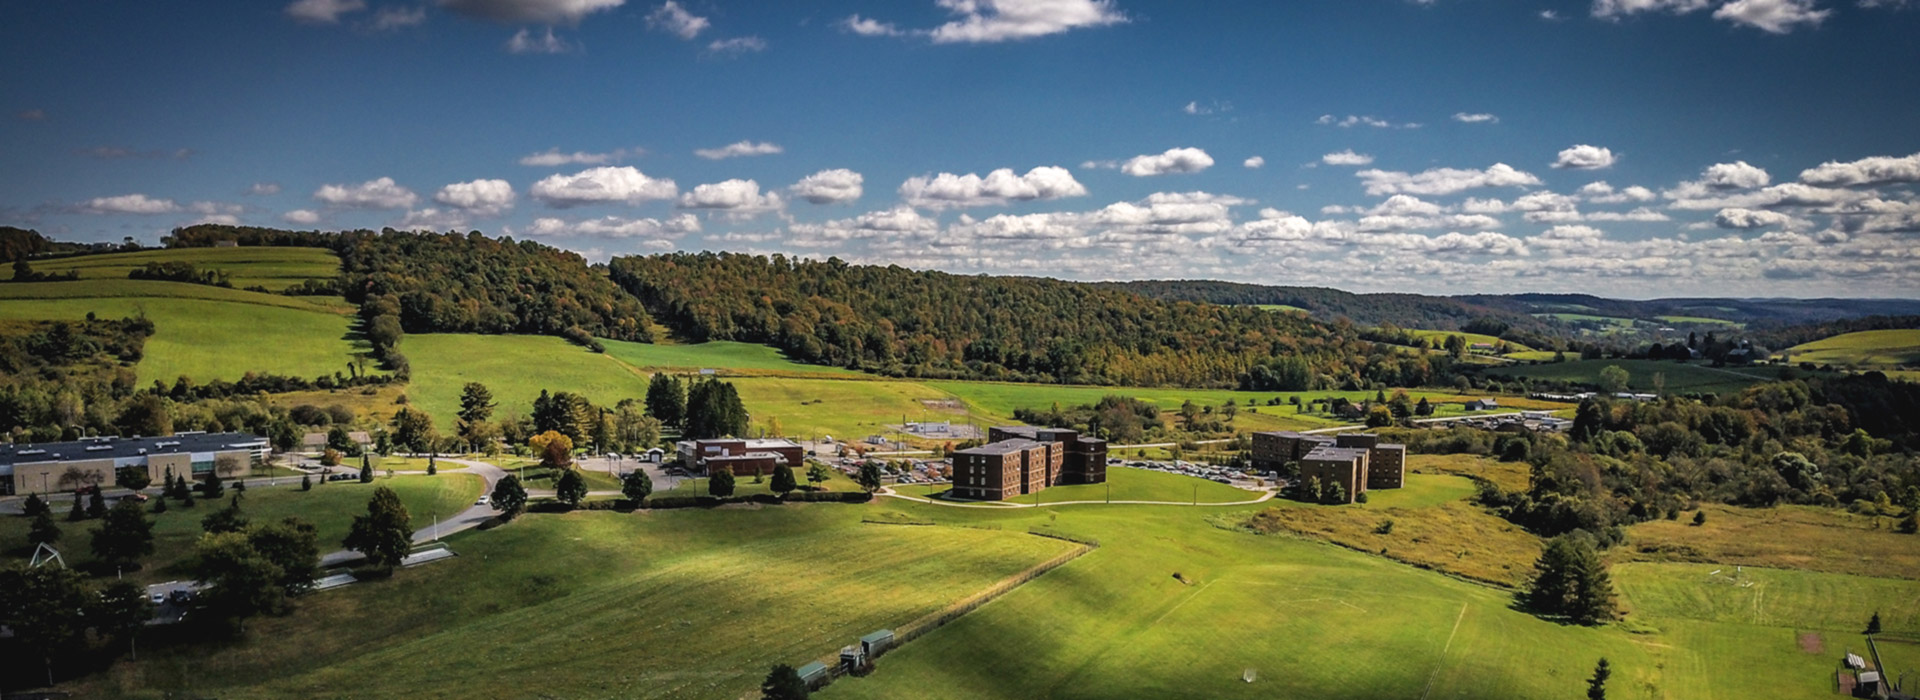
570	488
385	533
509	497
720	483
125	534
783	480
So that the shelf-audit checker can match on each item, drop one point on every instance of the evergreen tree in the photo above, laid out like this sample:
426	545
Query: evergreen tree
306	482
720	484
212	487
43	530
476	403
571	488
1699	518
228	519
1597	686
34	506
636	486
125	536
783	683
186	501
366	470
96	504
666	399
79	511
1570	580
783	481
385	533
509	497
160	505
1873	623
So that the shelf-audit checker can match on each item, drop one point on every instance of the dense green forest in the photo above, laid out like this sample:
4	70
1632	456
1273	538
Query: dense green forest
1403	310
902	322
460	283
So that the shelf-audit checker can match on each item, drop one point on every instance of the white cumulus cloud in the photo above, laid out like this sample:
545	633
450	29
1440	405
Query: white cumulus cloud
324	11
1585	157
998	187
303	217
549	12
129	204
836	186
1738	218
478	197
1475	118
740	149
868	26
1773	16
614	227
382	193
989	21
741	199
1176	160
676	20
1876	170
1255	162
1442	181
603	185
1347	157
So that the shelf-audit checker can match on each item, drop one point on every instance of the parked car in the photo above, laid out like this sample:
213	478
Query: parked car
483	500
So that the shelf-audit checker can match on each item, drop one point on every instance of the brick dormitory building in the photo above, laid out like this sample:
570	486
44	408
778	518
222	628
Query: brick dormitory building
1020	460
1358	462
742	457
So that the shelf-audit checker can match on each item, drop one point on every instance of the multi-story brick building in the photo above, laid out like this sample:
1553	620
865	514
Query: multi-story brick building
1021	460
1384	466
1346	466
1084	460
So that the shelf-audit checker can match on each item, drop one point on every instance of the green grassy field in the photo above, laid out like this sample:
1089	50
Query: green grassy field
1701	321
515	367
1610	320
681	604
1126	484
1279	307
201	332
1439	339
1681	378
329	506
270	267
1879	349
1796	537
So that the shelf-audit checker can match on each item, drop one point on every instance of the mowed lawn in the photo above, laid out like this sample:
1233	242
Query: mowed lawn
202	332
671	604
329	506
1866	348
271	267
516	368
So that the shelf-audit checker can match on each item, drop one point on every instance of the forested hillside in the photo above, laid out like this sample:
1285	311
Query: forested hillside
1403	310
931	324
454	283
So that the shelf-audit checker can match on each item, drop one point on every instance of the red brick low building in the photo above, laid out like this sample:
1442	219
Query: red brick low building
742	457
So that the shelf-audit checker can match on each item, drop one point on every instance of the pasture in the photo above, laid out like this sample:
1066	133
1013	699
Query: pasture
1797	537
201	332
274	268
515	368
734	358
1866	349
1439	338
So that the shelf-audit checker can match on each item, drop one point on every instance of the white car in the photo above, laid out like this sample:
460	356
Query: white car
483	500
157	597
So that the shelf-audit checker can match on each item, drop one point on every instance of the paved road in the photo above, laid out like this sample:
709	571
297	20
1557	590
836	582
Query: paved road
465	520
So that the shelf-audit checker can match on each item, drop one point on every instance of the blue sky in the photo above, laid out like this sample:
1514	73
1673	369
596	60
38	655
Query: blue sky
1747	147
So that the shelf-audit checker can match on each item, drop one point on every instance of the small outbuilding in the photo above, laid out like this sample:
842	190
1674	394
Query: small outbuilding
1482	405
874	644
813	674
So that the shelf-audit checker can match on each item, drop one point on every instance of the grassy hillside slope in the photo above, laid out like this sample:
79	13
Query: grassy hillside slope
272	268
1883	349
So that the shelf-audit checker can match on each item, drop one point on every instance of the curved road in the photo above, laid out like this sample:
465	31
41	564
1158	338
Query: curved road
465	520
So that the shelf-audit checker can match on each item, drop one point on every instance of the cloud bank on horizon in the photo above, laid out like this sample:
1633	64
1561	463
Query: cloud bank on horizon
1069	138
